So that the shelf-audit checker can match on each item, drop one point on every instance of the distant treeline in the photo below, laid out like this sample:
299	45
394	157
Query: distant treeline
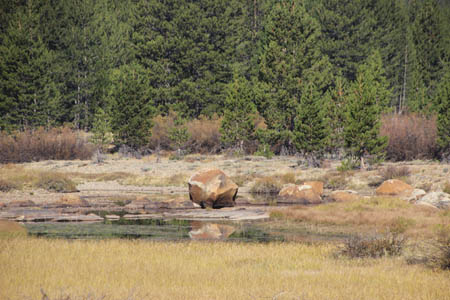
302	67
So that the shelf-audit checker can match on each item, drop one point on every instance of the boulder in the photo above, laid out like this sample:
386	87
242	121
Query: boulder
303	194
317	186
435	199
71	200
416	195
394	187
212	189
343	196
209	231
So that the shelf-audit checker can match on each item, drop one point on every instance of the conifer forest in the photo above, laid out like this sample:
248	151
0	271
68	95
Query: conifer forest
288	76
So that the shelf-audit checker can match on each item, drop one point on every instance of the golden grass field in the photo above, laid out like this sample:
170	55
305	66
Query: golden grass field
126	269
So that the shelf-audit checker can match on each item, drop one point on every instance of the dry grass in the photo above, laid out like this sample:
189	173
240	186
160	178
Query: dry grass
376	213
17	177
121	269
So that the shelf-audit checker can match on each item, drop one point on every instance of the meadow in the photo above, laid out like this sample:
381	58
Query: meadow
33	268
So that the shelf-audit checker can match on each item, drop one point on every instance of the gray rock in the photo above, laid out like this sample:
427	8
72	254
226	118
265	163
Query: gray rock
435	199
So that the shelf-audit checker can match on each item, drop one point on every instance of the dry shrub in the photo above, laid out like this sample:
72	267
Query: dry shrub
34	145
446	188
204	135
411	136
377	245
392	172
266	185
7	185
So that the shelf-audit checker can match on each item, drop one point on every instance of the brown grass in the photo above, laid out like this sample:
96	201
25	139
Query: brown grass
376	213
17	177
411	136
124	269
41	144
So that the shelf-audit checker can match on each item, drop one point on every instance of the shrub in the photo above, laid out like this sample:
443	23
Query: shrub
446	188
348	164
41	144
266	185
389	244
264	150
202	134
392	172
55	182
7	185
411	136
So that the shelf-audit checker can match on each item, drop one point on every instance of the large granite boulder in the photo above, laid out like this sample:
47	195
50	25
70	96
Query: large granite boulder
394	187
212	189
302	194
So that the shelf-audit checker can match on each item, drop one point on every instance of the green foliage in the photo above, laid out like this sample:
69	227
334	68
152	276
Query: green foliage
101	130
348	164
132	106
310	131
238	123
362	114
443	108
264	150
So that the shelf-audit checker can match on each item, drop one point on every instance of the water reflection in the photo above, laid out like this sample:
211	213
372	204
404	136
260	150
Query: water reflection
210	231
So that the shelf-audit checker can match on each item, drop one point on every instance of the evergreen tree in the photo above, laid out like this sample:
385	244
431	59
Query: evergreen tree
335	104
290	55
132	107
362	116
428	42
101	130
28	94
443	109
238	125
311	130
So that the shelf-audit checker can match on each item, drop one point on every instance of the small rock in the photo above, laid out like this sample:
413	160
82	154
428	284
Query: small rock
394	187
112	217
304	194
435	199
344	196
212	189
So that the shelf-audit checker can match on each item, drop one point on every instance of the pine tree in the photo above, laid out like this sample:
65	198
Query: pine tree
28	93
311	130
362	116
335	104
238	125
101	130
290	55
132	107
429	43
443	108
